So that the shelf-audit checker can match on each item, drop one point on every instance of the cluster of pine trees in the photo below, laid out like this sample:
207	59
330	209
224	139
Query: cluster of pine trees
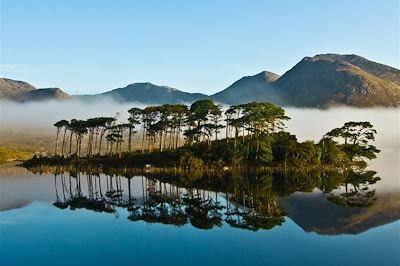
253	135
164	126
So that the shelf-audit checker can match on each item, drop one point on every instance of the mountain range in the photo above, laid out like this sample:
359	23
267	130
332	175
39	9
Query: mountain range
320	81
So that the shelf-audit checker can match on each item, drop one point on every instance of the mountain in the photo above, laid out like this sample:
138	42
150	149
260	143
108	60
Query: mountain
20	91
332	79
147	93
14	90
46	94
320	81
251	88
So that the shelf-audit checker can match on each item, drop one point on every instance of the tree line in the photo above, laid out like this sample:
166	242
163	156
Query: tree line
190	136
164	126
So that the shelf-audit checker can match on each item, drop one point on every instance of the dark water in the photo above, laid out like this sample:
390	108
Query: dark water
88	219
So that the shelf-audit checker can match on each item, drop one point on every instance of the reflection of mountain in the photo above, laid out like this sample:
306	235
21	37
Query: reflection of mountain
10	204
313	213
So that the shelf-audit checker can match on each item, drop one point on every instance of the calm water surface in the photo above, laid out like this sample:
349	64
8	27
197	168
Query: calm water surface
77	218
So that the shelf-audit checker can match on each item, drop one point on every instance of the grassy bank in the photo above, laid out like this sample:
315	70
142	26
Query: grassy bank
10	155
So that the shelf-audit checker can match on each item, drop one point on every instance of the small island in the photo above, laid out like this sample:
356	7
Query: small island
177	136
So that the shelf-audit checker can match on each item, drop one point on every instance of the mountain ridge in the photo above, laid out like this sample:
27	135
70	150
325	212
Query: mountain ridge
327	79
320	81
153	94
262	89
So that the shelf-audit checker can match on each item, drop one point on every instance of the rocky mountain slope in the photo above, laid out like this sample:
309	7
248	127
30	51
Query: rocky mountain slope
20	91
325	80
14	90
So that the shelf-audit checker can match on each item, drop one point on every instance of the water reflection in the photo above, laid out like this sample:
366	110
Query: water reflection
252	201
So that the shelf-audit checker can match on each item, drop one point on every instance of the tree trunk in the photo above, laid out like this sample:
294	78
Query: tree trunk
95	141
130	139
70	144
161	141
55	149
101	139
143	138
63	143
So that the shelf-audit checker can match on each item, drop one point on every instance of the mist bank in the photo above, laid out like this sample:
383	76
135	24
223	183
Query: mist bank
42	115
38	118
305	123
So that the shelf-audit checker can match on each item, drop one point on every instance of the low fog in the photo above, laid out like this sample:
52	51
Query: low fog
42	115
306	124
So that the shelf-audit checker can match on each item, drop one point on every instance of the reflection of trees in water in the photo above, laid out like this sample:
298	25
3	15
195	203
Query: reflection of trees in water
255	204
203	208
73	195
162	203
247	202
356	185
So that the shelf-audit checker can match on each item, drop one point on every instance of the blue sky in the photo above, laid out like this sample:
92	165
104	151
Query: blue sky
93	46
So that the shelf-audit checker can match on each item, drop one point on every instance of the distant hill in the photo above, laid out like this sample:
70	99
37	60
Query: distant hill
332	79
251	88
19	91
147	93
320	81
14	90
47	94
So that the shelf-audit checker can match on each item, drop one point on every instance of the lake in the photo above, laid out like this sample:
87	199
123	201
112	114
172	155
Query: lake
58	217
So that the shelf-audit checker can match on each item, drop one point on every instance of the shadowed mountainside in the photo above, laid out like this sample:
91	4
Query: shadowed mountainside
147	93
47	94
251	88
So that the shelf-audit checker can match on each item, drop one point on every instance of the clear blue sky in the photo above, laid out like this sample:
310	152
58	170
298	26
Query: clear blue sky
93	46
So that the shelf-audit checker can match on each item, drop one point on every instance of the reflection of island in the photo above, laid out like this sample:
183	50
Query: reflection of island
162	202
248	202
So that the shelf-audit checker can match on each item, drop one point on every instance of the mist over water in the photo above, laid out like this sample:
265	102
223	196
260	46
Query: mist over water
44	114
306	124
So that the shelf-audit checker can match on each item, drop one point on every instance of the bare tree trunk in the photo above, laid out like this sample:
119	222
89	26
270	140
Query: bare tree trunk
177	137
161	141
95	141
143	138
130	139
70	144
63	143
55	149
101	138
171	133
